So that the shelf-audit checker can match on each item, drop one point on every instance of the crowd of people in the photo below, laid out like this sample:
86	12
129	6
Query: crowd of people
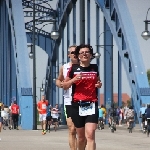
80	80
119	114
9	116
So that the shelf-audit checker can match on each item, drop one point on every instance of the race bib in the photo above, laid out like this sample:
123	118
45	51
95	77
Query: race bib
87	110
43	106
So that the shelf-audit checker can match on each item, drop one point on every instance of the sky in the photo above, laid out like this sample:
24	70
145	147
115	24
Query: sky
137	11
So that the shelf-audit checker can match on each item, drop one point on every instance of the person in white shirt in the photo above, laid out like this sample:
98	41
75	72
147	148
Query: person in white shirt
55	115
126	108
1	118
10	117
67	96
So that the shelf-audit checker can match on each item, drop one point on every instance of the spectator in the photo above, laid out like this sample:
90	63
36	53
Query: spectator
15	114
55	115
142	114
1	118
42	109
130	115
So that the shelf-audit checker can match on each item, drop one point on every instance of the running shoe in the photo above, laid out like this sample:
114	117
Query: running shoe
43	132
55	129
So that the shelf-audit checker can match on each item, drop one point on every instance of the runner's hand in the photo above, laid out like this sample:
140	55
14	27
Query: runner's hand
61	84
77	77
98	84
39	110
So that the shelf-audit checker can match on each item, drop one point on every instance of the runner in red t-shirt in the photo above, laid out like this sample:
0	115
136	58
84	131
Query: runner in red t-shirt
15	114
84	79
42	109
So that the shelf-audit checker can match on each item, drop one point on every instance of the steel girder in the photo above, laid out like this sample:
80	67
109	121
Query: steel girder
37	2
117	16
43	13
38	7
19	44
63	8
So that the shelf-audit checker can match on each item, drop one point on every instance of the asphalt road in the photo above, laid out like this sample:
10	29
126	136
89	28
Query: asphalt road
34	140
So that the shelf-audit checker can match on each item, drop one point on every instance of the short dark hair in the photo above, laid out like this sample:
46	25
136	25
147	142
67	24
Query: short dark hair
71	46
83	46
131	107
112	105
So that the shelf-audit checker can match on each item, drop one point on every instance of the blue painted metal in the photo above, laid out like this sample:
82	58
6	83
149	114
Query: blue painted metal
119	81
74	23
108	69
61	9
19	69
53	84
19	48
120	23
36	2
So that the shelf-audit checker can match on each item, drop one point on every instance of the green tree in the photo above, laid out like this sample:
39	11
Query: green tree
129	102
148	75
123	103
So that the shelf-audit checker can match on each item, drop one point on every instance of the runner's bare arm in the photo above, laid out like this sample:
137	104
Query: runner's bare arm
38	108
60	78
18	111
99	83
68	82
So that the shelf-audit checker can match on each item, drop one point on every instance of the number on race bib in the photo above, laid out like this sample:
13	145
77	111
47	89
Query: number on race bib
146	123
87	110
43	106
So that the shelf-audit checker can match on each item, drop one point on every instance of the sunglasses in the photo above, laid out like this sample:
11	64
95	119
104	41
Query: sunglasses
85	52
73	52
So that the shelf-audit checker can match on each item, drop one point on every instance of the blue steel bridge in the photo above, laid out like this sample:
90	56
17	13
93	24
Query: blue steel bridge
78	21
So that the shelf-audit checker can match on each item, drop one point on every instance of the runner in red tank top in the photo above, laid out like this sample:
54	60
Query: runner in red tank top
84	79
15	114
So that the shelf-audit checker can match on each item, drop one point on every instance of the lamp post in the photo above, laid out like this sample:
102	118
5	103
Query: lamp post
34	72
146	34
111	59
54	35
42	88
32	54
40	92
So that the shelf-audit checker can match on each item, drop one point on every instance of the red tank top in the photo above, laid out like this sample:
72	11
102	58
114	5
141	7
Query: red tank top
14	109
84	89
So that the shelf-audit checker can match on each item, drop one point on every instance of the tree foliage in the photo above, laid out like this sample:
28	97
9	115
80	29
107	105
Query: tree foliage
148	75
129	103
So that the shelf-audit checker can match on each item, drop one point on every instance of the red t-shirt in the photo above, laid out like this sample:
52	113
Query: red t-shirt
84	89
14	109
42	105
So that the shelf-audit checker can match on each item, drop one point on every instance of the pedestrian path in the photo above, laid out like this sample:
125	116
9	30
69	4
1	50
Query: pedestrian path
34	140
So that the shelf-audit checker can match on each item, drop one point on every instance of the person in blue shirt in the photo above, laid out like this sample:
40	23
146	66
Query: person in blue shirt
147	111
100	119
142	114
147	116
48	118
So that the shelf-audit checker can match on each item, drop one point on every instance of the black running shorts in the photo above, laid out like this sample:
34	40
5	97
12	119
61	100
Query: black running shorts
1	119
49	118
68	110
55	120
80	121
